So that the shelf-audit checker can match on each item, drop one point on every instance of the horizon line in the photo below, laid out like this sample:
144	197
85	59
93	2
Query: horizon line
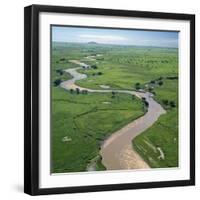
97	43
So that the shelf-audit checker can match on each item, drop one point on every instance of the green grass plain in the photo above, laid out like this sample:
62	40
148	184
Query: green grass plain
121	67
86	120
164	133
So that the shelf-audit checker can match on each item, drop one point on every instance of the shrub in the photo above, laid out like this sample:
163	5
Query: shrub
71	91
143	99
99	73
84	91
113	94
165	101
172	104
62	59
59	71
137	86
160	83
94	67
150	89
146	103
57	82
77	90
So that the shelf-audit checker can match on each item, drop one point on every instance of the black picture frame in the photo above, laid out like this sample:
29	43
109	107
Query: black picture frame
31	98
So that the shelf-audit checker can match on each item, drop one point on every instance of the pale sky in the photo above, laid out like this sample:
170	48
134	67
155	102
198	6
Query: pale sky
115	36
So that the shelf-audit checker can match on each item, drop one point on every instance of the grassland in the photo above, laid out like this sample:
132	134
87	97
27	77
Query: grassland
120	67
159	144
123	67
81	122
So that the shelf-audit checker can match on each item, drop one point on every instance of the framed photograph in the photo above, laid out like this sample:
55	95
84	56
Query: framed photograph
109	99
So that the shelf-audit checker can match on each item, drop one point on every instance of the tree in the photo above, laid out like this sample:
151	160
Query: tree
94	67
172	104
165	101
57	82
71	91
113	94
152	81
160	83
150	89
137	86
62	59
84	91
59	71
146	103
143	99
99	73
77	90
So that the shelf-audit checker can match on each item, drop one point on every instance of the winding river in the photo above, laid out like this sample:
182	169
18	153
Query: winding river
117	151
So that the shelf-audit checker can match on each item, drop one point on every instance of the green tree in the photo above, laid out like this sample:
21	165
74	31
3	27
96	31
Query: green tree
160	83
71	91
57	82
94	66
172	104
150	89
137	86
99	73
113	94
166	102
77	91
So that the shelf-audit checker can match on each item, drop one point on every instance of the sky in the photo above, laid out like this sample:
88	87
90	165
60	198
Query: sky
115	36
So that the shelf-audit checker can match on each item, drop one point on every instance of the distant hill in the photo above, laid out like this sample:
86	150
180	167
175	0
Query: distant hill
92	42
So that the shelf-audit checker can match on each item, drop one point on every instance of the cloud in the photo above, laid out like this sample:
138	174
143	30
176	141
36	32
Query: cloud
103	38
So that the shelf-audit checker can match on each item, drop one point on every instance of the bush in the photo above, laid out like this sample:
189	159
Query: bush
172	104
160	83
137	86
77	90
99	73
84	91
57	82
62	59
165	101
94	67
143	99
150	89
113	94
59	71
160	78
146	103
71	91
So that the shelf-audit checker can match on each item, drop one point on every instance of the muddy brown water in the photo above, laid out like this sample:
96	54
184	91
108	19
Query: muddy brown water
117	151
